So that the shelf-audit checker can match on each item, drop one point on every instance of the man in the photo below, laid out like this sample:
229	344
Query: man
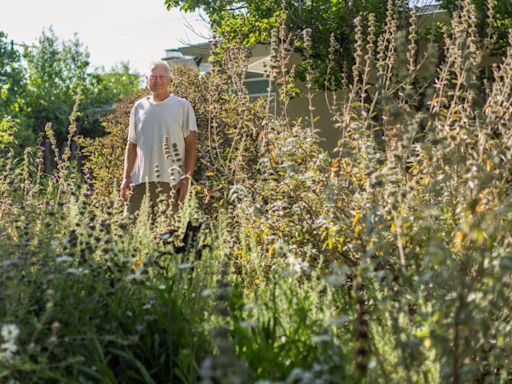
155	119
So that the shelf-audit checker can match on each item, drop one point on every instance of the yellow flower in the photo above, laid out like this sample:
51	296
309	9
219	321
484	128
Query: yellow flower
137	262
458	239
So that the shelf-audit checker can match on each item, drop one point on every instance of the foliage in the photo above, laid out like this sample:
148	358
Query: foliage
7	132
12	93
251	22
11	78
55	71
115	84
101	90
40	84
387	261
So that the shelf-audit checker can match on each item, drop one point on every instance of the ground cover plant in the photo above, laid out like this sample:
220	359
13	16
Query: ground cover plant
388	261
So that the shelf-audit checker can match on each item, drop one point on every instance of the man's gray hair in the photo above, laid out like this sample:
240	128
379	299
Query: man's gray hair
160	63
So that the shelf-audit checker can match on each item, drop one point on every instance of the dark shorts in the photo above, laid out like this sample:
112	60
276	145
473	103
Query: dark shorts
158	192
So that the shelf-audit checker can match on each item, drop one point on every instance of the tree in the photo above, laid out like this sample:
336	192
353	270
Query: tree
102	89
40	84
110	86
252	21
12	91
58	71
12	82
55	71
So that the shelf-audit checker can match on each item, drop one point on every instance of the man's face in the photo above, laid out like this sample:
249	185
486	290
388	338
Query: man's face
158	80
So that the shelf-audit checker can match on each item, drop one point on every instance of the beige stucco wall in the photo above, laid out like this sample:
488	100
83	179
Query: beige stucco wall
299	108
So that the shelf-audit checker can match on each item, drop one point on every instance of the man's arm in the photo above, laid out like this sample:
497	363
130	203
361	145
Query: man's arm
190	163
130	156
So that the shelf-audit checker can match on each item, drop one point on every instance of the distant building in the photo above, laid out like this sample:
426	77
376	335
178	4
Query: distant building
197	56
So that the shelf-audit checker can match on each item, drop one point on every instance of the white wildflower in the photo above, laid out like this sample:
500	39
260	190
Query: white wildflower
10	332
77	271
337	321
149	304
207	292
321	338
7	350
249	323
63	259
8	263
297	265
184	266
336	280
136	276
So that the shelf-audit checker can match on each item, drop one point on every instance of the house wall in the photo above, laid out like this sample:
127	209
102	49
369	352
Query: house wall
298	108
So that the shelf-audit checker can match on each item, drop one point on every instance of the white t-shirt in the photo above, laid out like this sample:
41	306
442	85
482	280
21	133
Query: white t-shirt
150	123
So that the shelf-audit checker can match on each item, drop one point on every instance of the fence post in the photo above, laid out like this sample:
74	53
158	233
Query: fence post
47	156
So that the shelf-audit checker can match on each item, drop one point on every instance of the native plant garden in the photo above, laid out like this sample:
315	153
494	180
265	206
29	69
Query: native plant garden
387	261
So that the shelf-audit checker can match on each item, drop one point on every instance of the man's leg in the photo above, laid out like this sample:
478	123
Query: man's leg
135	199
163	193
158	192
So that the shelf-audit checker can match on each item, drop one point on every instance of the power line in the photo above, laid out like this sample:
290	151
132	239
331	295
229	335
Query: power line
14	43
154	22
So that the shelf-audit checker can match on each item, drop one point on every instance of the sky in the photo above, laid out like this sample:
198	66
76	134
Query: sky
114	31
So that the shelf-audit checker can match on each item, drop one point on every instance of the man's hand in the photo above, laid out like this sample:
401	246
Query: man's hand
182	188
125	188
130	156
